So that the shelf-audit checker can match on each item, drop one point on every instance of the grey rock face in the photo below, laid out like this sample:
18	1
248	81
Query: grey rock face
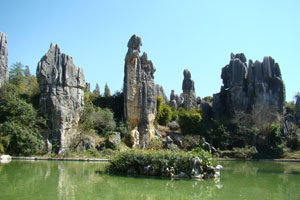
139	94
176	100
289	123
114	139
160	92
188	89
245	87
88	86
62	96
3	59
298	108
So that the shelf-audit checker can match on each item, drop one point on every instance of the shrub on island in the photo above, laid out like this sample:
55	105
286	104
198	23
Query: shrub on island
193	164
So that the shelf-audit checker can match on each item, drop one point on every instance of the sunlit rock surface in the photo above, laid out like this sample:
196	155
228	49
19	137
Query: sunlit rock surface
3	59
139	94
62	96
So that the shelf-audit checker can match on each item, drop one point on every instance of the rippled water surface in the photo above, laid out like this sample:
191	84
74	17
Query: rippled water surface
79	180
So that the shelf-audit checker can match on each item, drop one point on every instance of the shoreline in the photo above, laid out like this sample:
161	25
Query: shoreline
259	160
107	160
60	159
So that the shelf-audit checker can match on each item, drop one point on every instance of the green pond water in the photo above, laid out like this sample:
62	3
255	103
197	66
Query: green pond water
78	180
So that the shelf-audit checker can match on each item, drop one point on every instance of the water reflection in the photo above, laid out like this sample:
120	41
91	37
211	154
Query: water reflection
78	180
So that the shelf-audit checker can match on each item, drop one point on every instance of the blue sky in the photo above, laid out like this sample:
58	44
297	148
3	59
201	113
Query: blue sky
197	35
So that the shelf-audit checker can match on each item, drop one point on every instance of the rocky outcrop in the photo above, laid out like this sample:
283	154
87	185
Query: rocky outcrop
139	94
88	87
160	92
3	59
188	89
298	108
245	87
62	96
176	100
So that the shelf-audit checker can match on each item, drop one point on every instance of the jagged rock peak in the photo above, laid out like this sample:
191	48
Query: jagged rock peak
239	56
62	97
160	92
188	88
3	59
248	87
59	69
135	42
139	94
188	83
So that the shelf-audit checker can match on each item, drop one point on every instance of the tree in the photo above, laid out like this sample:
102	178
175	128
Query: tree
97	90
20	126
190	121
107	91
164	112
27	71
16	73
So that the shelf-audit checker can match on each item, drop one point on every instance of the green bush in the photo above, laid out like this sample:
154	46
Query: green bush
103	120
290	108
135	161
270	144
97	120
1	149
115	103
164	115
293	142
21	140
20	125
240	153
155	144
189	121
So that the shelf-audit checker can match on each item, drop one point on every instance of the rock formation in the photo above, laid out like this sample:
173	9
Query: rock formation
247	87
3	59
62	96
160	92
298	108
188	89
139	94
88	87
176	100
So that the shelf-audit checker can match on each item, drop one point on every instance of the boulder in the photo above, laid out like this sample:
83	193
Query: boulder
3	59
62	97
114	140
4	159
139	93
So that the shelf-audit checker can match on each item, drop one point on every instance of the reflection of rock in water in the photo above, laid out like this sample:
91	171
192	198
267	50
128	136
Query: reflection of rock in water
48	172
65	188
75	179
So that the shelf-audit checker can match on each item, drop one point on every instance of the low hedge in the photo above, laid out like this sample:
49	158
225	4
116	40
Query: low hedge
136	161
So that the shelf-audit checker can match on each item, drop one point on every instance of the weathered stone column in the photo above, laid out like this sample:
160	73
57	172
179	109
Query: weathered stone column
3	59
139	94
62	96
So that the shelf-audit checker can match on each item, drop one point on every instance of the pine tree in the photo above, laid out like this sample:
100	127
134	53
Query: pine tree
27	71
16	73
97	90
107	91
